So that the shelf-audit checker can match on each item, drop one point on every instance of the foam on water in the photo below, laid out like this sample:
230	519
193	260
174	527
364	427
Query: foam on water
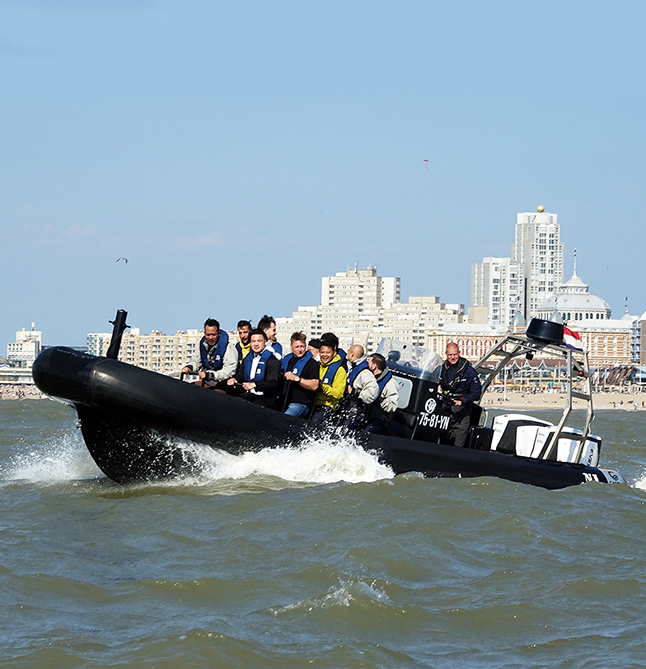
322	460
315	460
58	460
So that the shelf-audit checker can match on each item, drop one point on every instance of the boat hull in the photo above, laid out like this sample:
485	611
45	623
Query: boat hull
131	419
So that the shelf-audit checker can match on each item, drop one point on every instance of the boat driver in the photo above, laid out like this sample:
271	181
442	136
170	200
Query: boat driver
215	359
460	386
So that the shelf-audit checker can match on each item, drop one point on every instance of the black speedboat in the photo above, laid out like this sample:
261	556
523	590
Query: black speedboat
134	421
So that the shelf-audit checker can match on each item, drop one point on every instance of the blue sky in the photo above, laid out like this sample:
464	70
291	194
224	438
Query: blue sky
235	153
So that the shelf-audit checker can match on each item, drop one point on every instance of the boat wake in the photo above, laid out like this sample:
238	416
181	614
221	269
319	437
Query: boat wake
327	459
57	460
315	460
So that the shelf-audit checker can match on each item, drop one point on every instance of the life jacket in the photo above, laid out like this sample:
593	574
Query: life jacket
374	411
214	359
243	351
382	383
330	371
450	387
356	371
299	365
260	369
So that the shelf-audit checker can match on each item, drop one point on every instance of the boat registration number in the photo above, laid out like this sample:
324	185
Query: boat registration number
434	420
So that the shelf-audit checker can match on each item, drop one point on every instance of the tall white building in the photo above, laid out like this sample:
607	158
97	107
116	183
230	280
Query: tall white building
361	308
538	253
517	285
494	285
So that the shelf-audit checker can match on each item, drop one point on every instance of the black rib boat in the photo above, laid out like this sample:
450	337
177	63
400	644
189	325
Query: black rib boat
131	419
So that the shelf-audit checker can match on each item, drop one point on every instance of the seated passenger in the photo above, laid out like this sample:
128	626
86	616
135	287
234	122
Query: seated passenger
333	378
313	347
258	374
215	360
268	324
244	335
301	372
362	387
380	412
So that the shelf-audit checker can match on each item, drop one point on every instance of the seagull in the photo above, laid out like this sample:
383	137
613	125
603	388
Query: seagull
122	258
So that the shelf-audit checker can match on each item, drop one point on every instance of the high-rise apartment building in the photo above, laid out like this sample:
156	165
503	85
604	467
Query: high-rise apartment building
517	285
494	285
361	307
538	253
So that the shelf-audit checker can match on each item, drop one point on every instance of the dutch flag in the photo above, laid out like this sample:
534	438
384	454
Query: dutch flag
572	339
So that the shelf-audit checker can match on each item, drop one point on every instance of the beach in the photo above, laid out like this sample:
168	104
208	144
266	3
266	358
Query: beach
517	400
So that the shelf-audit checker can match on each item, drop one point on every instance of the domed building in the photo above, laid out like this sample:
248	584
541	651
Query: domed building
573	301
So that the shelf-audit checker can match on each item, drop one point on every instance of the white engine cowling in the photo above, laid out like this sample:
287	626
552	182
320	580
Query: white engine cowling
523	435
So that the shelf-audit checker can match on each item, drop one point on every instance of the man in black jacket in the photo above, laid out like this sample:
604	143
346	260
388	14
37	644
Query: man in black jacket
461	387
258	374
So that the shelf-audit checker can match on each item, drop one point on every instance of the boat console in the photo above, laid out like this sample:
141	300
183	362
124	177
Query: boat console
423	414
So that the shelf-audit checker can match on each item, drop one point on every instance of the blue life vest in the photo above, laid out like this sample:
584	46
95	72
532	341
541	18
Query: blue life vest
215	360
277	348
299	365
383	382
356	371
260	369
331	371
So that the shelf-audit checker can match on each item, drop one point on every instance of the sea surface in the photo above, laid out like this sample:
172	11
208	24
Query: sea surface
316	557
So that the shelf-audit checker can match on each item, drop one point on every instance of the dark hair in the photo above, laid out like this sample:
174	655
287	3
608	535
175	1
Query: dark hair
315	343
330	339
211	322
258	331
266	322
379	360
244	324
298	336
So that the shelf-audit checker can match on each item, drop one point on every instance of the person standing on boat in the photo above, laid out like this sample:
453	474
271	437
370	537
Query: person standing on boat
301	373
460	386
268	324
333	378
215	360
244	335
381	411
257	377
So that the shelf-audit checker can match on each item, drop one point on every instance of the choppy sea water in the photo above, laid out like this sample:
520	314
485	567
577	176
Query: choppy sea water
315	557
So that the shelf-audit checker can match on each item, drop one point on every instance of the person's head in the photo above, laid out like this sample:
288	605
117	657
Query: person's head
298	344
376	363
331	340
354	352
314	346
268	324
211	331
326	353
244	331
258	340
452	353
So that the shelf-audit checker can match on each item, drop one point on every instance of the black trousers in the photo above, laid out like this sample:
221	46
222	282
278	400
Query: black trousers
460	423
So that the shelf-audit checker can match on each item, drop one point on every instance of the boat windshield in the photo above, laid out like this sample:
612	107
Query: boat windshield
410	360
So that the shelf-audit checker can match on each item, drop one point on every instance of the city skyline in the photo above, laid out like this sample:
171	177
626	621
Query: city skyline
236	154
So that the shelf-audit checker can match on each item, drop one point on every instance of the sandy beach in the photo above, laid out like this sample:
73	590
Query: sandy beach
516	400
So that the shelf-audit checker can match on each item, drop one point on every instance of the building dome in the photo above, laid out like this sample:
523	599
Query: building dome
574	302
